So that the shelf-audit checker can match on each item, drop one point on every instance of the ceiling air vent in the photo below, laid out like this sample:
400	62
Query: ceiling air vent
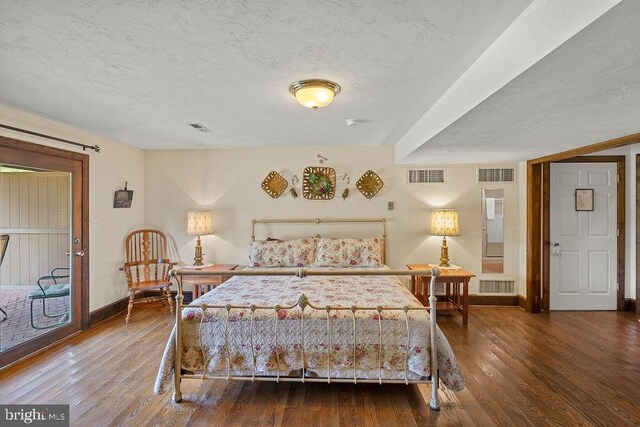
199	127
497	286
496	175
425	176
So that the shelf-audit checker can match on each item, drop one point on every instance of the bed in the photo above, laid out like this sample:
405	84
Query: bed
321	322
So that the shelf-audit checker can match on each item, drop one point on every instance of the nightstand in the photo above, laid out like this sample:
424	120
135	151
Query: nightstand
457	288
203	284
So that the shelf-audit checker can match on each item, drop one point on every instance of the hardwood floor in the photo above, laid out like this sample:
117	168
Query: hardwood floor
565	368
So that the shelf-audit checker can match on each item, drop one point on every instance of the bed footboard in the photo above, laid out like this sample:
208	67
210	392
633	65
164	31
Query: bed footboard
303	303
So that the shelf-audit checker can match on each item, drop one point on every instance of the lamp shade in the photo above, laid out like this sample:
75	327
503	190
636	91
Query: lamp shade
199	223
314	97
444	222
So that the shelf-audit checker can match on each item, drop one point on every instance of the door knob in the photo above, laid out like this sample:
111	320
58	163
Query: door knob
79	253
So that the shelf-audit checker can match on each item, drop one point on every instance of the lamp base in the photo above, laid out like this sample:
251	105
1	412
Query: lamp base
444	253
198	258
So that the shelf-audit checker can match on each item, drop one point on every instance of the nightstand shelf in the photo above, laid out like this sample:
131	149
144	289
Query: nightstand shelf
445	306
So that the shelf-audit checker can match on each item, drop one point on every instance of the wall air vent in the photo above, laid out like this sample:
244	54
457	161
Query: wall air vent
496	175
199	127
497	286
425	176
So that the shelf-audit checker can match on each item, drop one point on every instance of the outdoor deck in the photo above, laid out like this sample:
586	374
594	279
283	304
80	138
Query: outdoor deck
16	328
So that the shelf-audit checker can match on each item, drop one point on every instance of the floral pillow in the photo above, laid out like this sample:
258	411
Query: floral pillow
283	253
349	252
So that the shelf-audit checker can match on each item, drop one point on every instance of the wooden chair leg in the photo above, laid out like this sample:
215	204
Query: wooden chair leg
168	294
132	296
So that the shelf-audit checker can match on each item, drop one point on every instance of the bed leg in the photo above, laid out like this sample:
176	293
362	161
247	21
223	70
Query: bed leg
435	402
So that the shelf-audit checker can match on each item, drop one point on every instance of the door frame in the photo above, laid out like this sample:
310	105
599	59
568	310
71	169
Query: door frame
534	242
12	355
637	236
546	222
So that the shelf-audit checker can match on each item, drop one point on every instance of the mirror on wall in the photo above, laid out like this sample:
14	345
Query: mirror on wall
492	230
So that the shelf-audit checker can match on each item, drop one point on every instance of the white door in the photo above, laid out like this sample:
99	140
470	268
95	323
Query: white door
583	265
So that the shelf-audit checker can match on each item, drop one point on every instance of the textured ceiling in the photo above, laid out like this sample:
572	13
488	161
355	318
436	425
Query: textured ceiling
586	91
139	71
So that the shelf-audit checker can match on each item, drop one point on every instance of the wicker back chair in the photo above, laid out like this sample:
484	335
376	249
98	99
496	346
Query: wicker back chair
147	267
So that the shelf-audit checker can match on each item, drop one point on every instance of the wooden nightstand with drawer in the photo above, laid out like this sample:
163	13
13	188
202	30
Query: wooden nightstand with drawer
203	284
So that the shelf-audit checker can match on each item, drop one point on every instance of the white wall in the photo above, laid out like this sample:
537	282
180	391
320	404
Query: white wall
227	181
108	170
168	183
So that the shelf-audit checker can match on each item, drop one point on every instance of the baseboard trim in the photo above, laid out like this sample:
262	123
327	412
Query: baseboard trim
188	295
506	300
631	305
108	311
117	307
522	302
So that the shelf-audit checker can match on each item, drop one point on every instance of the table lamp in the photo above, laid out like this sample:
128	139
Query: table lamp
444	222
199	224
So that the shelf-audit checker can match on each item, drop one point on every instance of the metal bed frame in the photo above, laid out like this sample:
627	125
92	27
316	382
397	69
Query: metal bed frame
303	303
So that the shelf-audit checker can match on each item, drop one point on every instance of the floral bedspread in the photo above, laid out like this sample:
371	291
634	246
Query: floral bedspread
204	345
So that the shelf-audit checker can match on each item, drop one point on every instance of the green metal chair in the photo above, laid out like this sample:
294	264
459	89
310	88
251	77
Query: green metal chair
48	291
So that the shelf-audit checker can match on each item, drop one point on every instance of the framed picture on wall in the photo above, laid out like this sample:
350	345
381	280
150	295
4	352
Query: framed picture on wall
584	199
123	198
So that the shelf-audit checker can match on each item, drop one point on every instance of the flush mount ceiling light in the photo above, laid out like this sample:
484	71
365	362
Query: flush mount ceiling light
314	93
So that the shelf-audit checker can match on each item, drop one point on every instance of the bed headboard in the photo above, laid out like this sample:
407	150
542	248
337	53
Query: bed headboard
318	221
